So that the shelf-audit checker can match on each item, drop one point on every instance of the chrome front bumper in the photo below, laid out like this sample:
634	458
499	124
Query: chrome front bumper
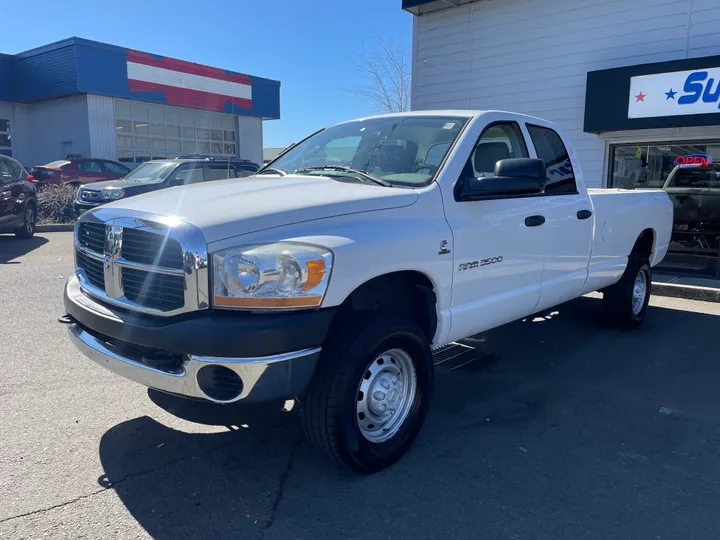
272	377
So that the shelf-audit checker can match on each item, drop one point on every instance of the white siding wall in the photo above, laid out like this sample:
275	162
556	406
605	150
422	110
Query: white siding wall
250	139
532	56
57	128
101	120
19	130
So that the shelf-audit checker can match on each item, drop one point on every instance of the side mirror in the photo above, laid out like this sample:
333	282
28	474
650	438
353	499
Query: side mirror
514	177
177	181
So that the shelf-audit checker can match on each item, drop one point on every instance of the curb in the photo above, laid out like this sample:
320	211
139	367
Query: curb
55	227
689	292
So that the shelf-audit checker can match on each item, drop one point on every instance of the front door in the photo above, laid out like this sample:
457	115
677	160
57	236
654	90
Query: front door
568	221
498	253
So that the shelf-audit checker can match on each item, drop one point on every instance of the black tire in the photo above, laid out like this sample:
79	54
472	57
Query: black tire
27	230
618	307
330	417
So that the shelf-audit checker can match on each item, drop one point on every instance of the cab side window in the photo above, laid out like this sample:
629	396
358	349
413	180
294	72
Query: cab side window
499	141
550	148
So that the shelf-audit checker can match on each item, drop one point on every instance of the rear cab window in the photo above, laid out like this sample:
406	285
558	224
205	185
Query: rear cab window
696	178
550	148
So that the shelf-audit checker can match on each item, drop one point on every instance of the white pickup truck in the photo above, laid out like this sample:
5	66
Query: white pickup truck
333	274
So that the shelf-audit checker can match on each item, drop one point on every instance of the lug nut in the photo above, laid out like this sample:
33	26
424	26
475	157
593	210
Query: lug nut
379	395
385	384
382	407
394	380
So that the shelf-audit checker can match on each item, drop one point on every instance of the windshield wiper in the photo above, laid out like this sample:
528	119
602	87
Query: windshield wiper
271	170
378	181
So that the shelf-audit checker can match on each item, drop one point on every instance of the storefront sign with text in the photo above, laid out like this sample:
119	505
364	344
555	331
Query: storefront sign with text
675	94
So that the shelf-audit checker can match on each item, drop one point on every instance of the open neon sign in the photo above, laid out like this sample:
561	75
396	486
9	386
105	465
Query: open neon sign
698	160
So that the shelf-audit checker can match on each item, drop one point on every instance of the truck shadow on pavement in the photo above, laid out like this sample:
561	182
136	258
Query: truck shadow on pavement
568	430
12	248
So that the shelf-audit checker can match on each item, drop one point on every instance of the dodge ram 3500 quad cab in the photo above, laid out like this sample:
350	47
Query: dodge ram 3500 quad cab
334	272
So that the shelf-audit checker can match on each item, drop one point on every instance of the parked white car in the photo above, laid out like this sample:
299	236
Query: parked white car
335	272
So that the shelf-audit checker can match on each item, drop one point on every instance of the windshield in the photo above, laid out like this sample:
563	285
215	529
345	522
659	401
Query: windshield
401	150
151	171
696	178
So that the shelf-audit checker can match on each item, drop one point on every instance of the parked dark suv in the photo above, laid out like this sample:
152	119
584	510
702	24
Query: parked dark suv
18	201
158	174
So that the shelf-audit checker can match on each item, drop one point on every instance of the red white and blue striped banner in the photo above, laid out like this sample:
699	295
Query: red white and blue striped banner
186	84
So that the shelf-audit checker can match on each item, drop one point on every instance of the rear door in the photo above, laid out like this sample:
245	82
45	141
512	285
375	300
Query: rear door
568	220
498	251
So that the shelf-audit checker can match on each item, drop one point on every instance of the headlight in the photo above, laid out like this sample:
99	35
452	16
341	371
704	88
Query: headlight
110	194
282	275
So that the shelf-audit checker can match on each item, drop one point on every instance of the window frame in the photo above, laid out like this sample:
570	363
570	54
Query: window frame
528	125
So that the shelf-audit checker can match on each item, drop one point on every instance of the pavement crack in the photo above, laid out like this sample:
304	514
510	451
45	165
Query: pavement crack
53	507
280	492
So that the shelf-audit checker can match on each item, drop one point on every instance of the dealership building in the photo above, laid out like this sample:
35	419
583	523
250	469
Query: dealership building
84	98
635	85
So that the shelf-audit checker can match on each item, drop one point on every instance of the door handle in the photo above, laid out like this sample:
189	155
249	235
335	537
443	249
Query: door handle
534	221
584	214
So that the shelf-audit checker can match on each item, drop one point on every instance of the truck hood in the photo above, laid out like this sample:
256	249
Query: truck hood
227	208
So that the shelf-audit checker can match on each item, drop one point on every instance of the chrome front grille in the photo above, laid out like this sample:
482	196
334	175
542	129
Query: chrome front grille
92	236
93	269
156	291
150	248
142	262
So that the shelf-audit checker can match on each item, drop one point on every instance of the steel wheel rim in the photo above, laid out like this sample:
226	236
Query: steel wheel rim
29	220
639	292
385	395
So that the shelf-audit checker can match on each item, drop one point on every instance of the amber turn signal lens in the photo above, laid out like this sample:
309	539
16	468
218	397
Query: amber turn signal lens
316	272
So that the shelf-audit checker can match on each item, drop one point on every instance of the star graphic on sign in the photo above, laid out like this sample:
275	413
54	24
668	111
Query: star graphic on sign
640	97
670	94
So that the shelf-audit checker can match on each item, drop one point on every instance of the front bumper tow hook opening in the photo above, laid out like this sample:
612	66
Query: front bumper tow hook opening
66	319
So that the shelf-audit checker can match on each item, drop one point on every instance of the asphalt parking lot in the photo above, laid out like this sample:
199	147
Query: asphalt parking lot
564	430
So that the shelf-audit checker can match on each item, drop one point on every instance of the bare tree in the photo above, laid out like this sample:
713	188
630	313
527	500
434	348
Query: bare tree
386	74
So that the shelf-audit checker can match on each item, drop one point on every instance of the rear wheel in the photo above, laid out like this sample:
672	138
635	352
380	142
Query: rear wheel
370	393
27	229
625	303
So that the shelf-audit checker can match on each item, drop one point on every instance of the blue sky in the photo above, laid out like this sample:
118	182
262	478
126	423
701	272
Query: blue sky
307	45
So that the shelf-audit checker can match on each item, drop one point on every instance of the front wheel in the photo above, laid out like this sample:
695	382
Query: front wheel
27	229
370	393
625	303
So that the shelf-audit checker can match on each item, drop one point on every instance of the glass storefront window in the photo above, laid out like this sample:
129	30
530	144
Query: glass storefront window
637	166
690	174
